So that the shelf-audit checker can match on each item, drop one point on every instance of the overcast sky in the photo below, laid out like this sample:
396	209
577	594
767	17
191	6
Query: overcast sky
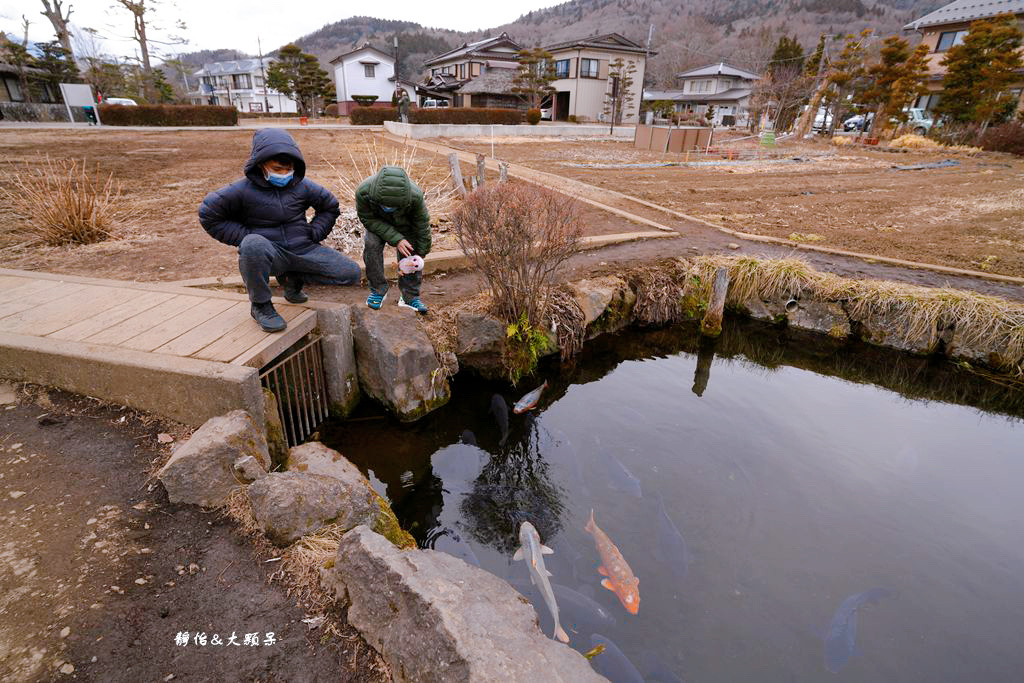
236	23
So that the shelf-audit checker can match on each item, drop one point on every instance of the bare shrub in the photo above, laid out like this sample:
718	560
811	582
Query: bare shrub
64	204
517	235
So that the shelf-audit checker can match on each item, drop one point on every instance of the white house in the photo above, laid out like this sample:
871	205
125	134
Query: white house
365	71
240	83
727	88
583	83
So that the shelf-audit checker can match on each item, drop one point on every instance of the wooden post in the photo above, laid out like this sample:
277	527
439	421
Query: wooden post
503	172
702	373
712	323
460	186
481	170
472	183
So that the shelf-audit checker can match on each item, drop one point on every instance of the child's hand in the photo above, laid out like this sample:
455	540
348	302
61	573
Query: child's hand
405	248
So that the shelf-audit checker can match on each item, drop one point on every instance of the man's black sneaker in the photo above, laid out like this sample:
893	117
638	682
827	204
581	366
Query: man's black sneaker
292	284
267	318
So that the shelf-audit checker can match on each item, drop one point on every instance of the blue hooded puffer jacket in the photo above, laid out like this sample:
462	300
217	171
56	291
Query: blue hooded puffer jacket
254	206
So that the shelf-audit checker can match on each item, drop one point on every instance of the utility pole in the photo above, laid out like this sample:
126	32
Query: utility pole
398	84
647	57
263	75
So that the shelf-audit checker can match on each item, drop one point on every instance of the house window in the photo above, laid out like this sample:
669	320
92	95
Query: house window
588	68
241	81
474	69
562	68
948	39
46	93
462	70
368	70
14	90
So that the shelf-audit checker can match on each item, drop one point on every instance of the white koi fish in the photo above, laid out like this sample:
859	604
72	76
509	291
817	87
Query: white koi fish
531	550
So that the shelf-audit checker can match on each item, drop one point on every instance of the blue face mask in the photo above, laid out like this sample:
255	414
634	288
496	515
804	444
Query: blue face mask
388	209
279	179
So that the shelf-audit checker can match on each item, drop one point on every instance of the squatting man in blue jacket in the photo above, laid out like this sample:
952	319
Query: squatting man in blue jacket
264	215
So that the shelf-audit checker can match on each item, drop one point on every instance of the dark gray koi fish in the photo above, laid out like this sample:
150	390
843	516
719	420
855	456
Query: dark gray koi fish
620	478
612	664
499	408
842	631
672	548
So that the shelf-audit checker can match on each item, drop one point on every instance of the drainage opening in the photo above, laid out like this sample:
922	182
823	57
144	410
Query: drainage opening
296	378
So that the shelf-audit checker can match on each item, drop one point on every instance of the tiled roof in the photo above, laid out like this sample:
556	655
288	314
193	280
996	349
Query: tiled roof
963	11
236	66
609	41
493	83
720	68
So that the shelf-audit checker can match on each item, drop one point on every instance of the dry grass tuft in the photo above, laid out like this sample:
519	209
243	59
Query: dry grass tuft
568	322
841	140
65	204
424	170
914	141
660	291
303	561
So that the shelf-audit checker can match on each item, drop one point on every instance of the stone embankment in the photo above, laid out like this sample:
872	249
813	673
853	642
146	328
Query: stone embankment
431	616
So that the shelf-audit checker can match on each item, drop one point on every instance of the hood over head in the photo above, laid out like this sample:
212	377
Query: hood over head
391	187
270	142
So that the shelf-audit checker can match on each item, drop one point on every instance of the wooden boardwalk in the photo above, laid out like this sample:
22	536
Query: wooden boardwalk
148	317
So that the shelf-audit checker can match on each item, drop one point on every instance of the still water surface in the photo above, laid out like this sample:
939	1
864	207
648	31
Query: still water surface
785	525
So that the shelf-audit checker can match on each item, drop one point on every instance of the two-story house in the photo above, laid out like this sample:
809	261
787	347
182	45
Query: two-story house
365	71
455	68
240	83
948	26
725	87
582	82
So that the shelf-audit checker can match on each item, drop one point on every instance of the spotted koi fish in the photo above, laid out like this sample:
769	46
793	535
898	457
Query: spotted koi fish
619	578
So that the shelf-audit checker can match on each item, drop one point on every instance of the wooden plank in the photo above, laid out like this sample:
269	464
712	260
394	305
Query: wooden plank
26	287
137	303
175	326
45	293
270	348
243	337
10	281
43	319
207	333
126	329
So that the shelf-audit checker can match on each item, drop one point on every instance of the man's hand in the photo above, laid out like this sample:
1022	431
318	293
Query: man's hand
405	248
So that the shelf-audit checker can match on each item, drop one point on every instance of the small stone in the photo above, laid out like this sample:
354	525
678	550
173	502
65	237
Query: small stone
91	521
65	632
93	660
164	438
733	245
141	581
67	669
14	447
193	568
17	494
169	677
95	605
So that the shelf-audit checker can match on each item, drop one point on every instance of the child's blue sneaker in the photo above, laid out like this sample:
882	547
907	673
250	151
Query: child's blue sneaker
375	301
414	304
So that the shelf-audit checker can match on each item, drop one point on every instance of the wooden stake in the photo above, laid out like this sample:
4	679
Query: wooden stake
712	323
460	186
481	170
503	172
702	373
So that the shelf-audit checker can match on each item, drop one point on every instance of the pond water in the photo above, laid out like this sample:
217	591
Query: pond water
788	517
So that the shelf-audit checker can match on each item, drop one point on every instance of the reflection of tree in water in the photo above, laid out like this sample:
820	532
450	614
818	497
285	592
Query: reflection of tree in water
513	487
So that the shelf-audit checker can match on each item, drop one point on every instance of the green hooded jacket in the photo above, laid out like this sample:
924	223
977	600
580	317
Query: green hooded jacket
391	187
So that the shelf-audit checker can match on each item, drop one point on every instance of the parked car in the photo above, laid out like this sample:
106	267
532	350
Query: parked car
823	119
858	122
546	110
124	101
918	120
434	104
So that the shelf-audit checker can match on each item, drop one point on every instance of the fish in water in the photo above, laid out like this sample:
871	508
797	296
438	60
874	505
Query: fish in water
578	610
842	631
499	408
529	402
619	578
532	551
620	478
468	437
612	663
672	548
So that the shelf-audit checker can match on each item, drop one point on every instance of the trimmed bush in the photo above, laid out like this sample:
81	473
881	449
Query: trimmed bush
167	115
364	100
1006	137
367	116
572	118
533	116
331	110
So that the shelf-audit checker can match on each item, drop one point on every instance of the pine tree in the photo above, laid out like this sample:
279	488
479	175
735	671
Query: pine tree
979	71
298	75
894	82
788	52
811	64
533	79
619	96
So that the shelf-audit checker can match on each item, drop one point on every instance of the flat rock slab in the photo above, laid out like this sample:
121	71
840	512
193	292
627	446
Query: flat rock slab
824	317
435	618
397	364
204	469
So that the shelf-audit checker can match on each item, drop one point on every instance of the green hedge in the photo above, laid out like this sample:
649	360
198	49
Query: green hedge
363	116
167	115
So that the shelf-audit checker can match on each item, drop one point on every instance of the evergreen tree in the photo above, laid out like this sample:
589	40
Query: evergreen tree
979	71
17	55
58	65
298	75
894	82
619	96
811	64
533	79
788	52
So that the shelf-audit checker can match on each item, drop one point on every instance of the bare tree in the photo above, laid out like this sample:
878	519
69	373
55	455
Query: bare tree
141	11
780	92
59	18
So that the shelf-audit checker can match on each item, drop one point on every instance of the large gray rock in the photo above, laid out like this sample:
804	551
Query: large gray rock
882	329
320	487
435	618
397	364
339	358
990	352
606	303
202	470
824	317
273	429
480	342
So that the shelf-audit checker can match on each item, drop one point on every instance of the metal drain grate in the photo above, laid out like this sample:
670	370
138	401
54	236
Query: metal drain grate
298	383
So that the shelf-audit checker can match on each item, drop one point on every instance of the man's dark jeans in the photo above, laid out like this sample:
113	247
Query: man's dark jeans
259	258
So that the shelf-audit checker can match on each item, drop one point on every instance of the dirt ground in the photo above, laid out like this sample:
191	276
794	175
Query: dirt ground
970	216
99	573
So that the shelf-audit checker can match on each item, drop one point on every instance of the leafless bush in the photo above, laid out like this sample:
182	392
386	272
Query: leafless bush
517	235
64	204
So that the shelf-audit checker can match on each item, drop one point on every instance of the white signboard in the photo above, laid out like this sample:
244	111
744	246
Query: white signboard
78	95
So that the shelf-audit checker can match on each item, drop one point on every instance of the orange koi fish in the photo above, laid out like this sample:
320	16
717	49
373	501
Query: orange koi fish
619	578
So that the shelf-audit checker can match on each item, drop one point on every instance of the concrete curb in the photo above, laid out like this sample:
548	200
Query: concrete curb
183	389
418	131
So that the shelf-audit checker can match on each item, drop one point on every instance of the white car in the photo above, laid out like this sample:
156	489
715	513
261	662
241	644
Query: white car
123	101
434	104
545	113
918	121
